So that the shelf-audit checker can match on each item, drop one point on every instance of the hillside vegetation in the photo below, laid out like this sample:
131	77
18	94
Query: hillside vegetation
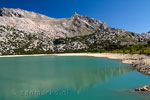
136	49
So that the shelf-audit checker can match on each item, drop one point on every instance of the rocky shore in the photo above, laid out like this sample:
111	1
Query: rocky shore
139	62
143	89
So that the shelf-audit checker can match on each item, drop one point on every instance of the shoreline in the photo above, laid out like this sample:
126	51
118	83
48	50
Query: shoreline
5	56
140	62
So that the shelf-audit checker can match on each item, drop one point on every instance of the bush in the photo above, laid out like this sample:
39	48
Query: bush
148	42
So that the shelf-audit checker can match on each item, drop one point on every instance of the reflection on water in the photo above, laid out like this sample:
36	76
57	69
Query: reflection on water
14	79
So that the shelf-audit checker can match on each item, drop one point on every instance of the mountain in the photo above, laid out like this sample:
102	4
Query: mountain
36	23
25	32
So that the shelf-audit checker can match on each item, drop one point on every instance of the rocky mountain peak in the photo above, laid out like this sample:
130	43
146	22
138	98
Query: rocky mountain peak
32	22
104	23
103	26
75	15
9	12
19	13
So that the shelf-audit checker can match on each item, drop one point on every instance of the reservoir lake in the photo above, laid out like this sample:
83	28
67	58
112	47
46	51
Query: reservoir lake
69	78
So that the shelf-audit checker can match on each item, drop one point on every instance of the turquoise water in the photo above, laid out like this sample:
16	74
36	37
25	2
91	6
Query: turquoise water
69	78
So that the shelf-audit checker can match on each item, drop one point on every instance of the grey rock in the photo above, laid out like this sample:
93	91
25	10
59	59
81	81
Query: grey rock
143	89
34	23
23	31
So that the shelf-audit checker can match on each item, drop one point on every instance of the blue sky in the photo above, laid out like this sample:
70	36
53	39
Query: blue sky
132	15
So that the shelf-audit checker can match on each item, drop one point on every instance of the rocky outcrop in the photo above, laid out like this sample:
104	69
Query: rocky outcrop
143	89
142	67
103	26
19	13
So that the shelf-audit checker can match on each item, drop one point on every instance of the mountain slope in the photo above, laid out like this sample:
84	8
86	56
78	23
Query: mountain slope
37	23
23	32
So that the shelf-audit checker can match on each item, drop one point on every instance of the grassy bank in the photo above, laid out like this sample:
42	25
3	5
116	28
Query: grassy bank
137	49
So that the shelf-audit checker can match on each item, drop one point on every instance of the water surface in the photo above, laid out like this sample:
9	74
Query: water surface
68	78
